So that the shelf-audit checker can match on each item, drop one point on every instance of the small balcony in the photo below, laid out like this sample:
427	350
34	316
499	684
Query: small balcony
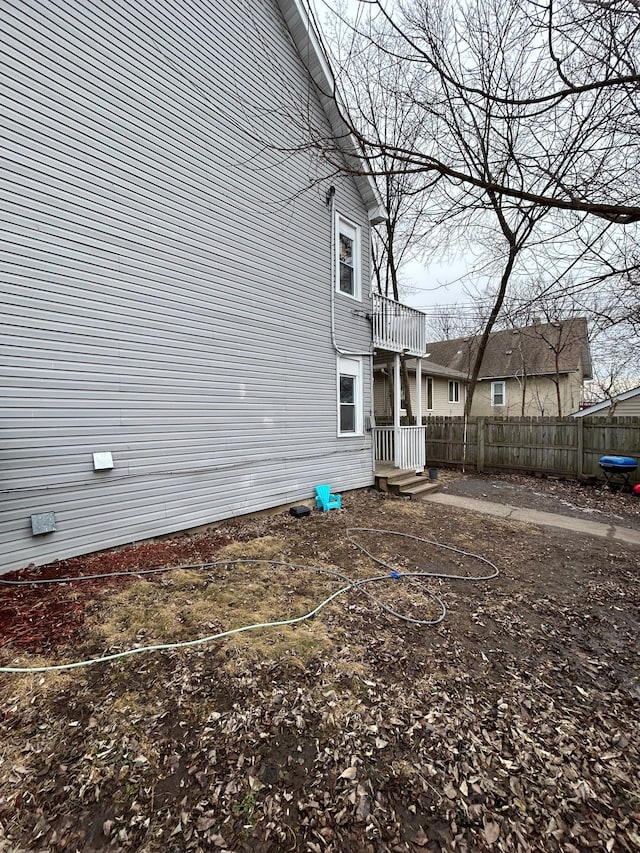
397	327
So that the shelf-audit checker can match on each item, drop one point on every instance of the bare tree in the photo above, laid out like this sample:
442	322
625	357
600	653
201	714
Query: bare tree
573	60
617	365
446	322
524	135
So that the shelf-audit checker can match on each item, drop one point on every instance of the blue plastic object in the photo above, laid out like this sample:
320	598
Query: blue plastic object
617	470
618	463
325	500
395	575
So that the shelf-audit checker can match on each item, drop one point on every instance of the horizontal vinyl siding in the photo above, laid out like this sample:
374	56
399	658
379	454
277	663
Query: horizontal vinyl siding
622	409
178	501
166	274
627	408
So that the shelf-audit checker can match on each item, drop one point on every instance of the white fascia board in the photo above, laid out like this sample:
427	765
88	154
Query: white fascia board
309	47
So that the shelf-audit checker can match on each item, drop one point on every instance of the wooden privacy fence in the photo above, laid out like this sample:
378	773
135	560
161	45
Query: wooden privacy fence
569	447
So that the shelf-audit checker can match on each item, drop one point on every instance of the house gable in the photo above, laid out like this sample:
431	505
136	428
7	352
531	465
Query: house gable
166	276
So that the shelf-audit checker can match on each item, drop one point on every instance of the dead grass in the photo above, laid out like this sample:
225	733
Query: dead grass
187	604
26	688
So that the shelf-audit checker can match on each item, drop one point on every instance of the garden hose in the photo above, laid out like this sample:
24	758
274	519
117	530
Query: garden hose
350	584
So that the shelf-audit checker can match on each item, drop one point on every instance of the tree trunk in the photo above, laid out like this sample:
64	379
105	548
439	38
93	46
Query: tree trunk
504	281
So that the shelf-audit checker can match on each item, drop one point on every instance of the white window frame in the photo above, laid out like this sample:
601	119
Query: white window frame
428	395
353	232
351	367
454	386
504	392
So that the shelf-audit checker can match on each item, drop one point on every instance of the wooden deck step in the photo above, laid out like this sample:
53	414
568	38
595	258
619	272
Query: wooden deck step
415	490
404	482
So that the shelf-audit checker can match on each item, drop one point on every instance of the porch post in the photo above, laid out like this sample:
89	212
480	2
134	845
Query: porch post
397	402
420	447
418	392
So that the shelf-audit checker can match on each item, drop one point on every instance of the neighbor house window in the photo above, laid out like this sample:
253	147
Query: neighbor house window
454	391
498	394
350	403
348	258
429	393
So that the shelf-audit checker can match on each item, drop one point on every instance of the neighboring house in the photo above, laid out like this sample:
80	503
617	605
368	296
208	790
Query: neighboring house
185	293
622	405
443	390
533	371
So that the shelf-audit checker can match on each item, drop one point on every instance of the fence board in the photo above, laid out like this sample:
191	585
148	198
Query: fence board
568	447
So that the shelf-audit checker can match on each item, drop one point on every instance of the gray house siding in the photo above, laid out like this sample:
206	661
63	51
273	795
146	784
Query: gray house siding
165	274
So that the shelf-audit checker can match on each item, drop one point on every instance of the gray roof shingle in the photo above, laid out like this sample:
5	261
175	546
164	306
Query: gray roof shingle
528	349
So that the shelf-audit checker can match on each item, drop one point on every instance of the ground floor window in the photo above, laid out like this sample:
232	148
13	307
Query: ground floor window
429	393
350	402
454	391
498	394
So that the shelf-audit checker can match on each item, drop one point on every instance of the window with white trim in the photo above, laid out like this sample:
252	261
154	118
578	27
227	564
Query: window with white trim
347	257
429	393
454	391
498	394
350	401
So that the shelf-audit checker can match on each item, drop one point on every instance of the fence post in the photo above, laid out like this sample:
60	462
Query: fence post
579	446
480	427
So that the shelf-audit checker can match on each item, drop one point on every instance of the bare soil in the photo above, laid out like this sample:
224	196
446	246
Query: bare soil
511	725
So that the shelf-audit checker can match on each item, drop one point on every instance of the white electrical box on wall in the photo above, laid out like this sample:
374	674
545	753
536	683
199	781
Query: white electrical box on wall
102	461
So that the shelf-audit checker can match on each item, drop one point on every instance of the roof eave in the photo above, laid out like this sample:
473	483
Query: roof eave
308	45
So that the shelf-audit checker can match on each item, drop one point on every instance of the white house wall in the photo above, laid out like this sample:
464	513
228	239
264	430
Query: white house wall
165	274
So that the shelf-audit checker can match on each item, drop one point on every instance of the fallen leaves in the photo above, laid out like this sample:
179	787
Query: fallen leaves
470	737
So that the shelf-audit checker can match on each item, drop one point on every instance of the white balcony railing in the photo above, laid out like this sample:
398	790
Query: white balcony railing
404	447
397	327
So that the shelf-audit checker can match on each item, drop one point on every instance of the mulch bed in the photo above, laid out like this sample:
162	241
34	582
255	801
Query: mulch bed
40	617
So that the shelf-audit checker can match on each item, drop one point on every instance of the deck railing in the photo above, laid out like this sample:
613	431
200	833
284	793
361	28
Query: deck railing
404	447
397	327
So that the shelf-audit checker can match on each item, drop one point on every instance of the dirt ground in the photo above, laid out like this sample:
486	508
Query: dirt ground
510	725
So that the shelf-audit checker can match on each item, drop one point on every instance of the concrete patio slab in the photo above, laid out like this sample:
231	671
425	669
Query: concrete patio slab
533	516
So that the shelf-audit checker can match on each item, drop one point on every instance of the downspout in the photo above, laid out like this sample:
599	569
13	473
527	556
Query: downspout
331	201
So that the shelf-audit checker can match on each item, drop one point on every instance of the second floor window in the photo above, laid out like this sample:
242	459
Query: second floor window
348	258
